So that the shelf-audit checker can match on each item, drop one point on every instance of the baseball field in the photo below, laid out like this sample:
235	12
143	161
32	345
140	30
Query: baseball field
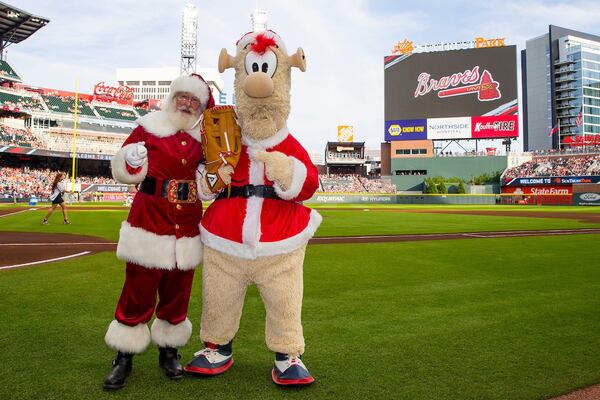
413	302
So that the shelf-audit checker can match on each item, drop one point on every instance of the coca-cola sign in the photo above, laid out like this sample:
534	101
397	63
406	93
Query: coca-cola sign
121	92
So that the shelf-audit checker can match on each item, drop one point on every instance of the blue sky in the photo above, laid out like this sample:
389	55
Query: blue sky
345	42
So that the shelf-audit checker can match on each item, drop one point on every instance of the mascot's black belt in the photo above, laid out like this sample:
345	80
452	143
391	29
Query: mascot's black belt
246	191
174	190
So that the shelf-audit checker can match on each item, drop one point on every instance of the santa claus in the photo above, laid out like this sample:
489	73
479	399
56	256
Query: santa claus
160	241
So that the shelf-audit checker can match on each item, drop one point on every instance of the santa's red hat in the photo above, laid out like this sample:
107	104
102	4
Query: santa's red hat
193	84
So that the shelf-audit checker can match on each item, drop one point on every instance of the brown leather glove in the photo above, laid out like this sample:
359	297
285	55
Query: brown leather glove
222	143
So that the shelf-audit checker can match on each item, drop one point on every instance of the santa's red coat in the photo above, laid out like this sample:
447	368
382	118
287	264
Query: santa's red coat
157	233
253	227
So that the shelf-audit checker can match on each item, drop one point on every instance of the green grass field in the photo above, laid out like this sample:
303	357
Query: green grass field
511	318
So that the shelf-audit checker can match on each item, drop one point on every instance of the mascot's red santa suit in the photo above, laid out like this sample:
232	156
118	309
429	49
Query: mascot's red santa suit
160	241
256	232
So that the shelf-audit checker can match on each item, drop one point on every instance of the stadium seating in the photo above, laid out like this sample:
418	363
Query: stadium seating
115	113
22	102
26	181
556	165
67	105
353	184
141	112
7	71
18	137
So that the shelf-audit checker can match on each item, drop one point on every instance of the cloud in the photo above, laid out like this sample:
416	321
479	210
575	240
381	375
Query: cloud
345	42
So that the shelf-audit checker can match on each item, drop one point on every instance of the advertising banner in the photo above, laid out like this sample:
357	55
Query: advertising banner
459	83
345	133
412	129
552	180
539	190
495	126
586	199
448	128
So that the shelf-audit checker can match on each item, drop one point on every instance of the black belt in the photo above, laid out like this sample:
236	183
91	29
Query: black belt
246	191
174	190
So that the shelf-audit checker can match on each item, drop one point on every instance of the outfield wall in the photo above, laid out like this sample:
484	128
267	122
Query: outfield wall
358	198
408	174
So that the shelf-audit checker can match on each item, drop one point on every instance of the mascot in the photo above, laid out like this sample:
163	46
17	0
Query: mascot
160	241
256	230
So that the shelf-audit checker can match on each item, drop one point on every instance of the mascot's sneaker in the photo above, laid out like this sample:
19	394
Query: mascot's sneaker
212	360
290	371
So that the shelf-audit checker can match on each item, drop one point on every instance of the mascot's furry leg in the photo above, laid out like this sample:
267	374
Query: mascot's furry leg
225	279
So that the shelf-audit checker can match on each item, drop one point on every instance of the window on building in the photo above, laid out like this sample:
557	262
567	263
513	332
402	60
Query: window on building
133	83
148	83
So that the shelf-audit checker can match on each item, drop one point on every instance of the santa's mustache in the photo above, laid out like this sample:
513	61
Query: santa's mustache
185	109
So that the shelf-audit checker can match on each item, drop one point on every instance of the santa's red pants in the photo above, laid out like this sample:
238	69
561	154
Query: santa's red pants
138	298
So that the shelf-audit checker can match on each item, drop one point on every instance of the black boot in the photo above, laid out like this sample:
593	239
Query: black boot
121	368
168	359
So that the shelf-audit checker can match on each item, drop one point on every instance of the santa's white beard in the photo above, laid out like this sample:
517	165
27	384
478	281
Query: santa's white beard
183	120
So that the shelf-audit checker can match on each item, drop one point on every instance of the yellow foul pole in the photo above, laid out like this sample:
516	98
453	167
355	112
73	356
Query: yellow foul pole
75	133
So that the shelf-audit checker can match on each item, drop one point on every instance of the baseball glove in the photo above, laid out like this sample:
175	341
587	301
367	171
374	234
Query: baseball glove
222	143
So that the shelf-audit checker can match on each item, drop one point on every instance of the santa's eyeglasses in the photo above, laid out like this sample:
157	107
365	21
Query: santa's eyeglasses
186	98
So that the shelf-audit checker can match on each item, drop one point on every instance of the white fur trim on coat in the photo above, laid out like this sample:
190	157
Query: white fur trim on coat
150	250
165	334
298	178
158	124
267	143
244	250
188	252
119	167
127	339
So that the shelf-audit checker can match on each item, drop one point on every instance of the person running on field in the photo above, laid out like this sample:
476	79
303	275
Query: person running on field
58	188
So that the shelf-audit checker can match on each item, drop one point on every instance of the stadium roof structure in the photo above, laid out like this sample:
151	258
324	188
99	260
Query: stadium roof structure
17	25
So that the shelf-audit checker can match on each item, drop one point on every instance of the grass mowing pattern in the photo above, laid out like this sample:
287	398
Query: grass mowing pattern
106	224
513	318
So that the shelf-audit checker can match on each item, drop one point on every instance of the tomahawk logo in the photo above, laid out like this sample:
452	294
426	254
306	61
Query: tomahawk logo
212	179
485	87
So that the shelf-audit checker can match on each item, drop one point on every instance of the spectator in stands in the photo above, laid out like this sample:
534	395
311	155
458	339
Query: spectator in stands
58	189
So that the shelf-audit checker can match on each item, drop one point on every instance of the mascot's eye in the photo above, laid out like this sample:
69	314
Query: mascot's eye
266	63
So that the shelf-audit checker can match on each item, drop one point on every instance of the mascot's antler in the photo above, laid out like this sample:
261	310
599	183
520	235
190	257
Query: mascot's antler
298	60
225	60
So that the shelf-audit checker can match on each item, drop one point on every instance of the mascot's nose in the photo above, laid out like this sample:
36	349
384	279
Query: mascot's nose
258	84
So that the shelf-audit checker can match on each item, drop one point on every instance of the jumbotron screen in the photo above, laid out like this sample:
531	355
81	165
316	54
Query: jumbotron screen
455	94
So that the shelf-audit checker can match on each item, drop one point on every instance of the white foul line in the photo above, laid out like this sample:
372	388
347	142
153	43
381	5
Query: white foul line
17	212
46	261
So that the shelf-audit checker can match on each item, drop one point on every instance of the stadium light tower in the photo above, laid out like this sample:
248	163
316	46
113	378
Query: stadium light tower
189	31
259	20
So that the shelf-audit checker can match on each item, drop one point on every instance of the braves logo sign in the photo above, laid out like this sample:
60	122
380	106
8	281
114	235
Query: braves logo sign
460	83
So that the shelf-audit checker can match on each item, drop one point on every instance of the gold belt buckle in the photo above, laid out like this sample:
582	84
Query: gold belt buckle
174	186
